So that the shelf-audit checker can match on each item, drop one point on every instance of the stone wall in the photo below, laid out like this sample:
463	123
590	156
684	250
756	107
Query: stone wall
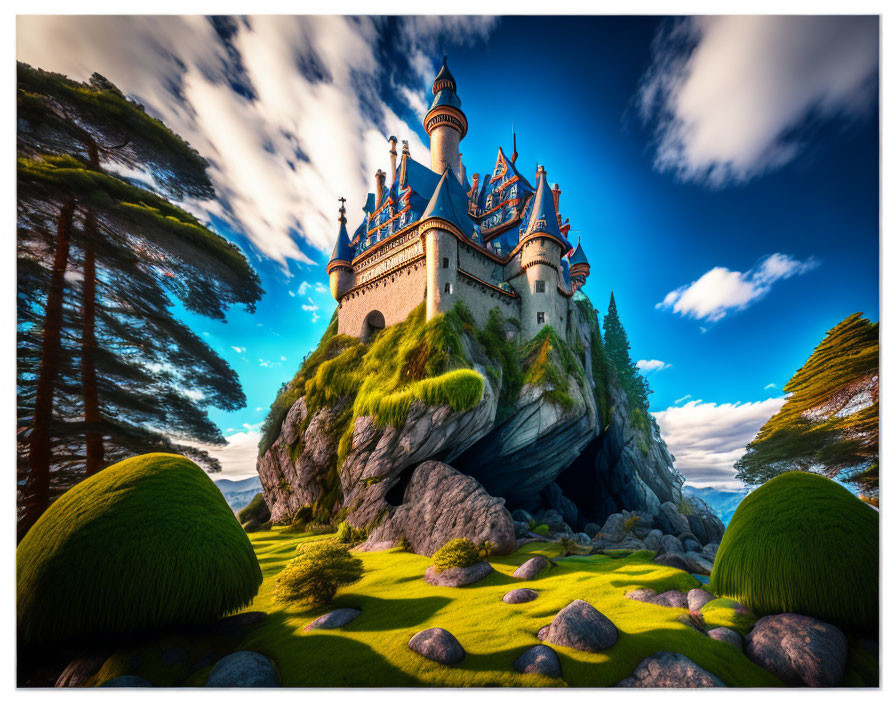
395	296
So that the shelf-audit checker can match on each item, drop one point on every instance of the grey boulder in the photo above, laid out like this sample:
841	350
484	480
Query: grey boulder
334	619
613	529
654	541
664	669
669	516
540	660
438	645
697	598
645	594
799	650
674	559
457	576
673	599
244	668
671	544
582	627
531	567
709	551
700	565
726	635
519	596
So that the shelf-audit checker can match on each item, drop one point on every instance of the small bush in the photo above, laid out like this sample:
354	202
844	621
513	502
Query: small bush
347	535
257	511
316	574
728	613
460	552
541	529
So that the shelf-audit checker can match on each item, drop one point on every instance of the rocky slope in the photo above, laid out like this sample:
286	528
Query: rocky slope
551	432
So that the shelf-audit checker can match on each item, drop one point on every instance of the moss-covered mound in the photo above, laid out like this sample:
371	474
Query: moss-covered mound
727	613
146	543
802	543
256	514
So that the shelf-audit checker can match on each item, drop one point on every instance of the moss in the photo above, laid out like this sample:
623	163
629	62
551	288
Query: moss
257	510
143	544
541	529
601	368
493	339
802	543
549	364
459	552
727	613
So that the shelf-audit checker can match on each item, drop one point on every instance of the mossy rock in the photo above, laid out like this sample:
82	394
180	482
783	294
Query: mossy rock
804	544
727	613
256	512
459	552
146	543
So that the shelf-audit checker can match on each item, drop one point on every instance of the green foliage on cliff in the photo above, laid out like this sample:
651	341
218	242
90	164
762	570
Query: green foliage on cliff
146	543
549	364
601	367
802	543
830	422
617	349
493	338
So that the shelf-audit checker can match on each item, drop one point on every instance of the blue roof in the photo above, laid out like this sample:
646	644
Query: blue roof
444	73
445	97
449	202
543	218
342	250
578	256
421	179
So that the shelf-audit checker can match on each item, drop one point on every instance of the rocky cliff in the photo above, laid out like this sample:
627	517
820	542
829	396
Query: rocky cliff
542	427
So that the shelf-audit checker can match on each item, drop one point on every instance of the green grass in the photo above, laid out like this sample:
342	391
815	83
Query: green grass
396	603
727	613
802	543
142	544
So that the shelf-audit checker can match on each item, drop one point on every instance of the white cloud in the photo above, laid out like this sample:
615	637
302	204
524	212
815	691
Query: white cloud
309	306
288	141
314	317
707	438
282	358
320	288
651	365
238	457
303	288
682	399
727	95
720	290
773	385
238	350
264	363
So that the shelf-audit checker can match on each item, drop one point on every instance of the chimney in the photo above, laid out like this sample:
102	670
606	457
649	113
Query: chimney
380	186
405	155
555	189
393	155
475	185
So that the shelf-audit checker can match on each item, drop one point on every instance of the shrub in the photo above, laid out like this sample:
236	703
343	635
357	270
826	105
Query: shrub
313	577
347	535
459	552
145	543
257	511
727	613
802	543
541	529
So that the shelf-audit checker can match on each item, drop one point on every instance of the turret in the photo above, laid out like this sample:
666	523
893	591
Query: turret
393	155
339	268
380	177
579	268
445	123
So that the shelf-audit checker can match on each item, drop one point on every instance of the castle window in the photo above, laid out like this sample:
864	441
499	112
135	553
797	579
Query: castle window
448	290
445	262
539	287
539	318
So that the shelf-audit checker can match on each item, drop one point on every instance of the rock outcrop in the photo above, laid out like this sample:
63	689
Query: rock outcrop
670	670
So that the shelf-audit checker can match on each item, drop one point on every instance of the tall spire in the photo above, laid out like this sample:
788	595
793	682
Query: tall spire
544	215
342	250
445	123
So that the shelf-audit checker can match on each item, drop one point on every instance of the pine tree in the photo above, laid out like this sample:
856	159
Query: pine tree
830	421
105	370
617	347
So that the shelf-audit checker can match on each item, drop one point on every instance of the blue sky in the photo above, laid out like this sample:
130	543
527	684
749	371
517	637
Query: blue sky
722	173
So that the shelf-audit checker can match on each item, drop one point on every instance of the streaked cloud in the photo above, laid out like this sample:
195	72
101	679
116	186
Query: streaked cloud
727	96
651	365
708	438
720	291
772	385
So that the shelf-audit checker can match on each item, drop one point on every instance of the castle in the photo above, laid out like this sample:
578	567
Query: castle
434	236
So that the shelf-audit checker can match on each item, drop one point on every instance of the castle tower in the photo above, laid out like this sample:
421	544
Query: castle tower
579	268
445	123
542	251
339	268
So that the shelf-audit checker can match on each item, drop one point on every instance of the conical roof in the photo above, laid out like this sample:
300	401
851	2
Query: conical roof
448	203
543	217
342	250
578	256
444	75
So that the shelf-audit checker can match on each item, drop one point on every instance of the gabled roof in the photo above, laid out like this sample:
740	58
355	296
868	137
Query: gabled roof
543	217
421	179
449	202
578	256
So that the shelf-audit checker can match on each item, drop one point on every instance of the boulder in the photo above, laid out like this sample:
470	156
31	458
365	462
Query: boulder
439	504
80	670
629	542
671	520
334	619
244	668
613	528
126	681
591	529
438	645
654	541
645	594
709	551
531	567
799	650
522	516
520	530
457	576
671	544
582	627
540	660
238	624
691	545
673	599
519	596
700	565
697	598
664	669
674	559
726	635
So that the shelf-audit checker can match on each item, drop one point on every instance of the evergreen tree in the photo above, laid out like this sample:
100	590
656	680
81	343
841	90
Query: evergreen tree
617	347
829	423
104	369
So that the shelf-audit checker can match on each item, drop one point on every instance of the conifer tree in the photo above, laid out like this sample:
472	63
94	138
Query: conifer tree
617	347
830	421
105	370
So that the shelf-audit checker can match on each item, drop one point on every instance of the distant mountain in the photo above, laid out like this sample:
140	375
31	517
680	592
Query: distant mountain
238	493
722	502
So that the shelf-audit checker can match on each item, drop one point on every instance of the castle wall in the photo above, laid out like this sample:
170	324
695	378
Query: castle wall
540	258
395	296
441	271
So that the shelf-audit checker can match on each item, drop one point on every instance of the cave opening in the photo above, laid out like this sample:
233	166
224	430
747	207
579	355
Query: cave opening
395	495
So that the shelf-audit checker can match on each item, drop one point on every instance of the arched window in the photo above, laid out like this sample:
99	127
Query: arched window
448	288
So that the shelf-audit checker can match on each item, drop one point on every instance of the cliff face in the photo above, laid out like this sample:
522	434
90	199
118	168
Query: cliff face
548	429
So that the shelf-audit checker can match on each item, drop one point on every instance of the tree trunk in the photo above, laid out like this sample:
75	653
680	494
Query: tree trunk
94	436
36	494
